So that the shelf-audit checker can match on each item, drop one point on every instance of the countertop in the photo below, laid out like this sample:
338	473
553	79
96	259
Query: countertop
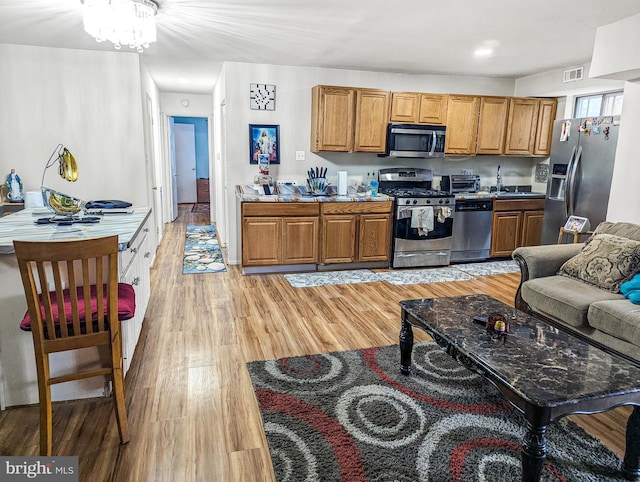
300	194
21	226
501	195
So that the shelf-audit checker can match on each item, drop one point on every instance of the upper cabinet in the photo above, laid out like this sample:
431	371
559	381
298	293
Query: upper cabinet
332	114
418	108
546	116
462	124
521	126
372	114
345	119
492	125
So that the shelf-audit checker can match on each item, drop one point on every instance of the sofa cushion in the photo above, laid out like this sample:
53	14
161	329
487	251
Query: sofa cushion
606	261
563	298
626	230
618	318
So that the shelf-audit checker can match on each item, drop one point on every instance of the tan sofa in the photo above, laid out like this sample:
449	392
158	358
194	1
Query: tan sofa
586	301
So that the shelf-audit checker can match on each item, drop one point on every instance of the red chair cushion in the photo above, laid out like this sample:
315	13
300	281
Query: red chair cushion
126	305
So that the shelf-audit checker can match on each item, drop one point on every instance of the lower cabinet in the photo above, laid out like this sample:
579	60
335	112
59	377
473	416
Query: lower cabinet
135	263
280	233
516	223
356	232
275	234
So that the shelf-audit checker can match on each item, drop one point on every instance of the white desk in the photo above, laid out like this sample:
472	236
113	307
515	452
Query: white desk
18	379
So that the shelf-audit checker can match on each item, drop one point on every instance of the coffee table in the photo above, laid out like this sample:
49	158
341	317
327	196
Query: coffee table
543	372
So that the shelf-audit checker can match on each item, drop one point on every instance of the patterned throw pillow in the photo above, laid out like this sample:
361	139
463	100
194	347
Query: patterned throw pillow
606	261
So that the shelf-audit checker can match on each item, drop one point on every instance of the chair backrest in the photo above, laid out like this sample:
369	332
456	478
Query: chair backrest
66	282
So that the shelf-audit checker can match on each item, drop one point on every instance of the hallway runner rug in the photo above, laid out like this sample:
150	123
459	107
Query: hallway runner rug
351	416
202	252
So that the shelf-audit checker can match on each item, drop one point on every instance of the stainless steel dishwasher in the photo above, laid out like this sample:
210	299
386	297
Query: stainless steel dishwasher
471	237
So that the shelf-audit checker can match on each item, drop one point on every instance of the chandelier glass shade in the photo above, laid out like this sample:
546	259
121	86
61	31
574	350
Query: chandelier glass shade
123	22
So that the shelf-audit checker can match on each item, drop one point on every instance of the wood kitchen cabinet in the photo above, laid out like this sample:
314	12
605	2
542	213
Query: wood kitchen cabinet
280	233
462	124
515	223
372	112
492	125
418	108
345	119
521	126
544	129
356	232
530	126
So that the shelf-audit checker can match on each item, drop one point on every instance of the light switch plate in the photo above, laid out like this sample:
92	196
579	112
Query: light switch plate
299	155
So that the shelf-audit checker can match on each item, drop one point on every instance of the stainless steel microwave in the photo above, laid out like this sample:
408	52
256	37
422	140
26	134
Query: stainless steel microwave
412	140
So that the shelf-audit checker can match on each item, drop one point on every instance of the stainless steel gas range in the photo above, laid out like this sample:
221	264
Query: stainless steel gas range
423	218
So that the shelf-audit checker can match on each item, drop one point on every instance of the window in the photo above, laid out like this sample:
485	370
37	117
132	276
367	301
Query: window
599	105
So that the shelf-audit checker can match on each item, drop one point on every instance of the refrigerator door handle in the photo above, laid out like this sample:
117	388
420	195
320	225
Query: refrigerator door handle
572	181
566	195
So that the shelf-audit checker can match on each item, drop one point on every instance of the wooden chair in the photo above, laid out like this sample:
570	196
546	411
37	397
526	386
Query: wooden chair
81	306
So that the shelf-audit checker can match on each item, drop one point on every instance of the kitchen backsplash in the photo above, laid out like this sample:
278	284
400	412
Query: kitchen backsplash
515	171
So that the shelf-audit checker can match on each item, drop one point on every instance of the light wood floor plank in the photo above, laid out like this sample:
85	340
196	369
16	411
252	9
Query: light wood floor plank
192	412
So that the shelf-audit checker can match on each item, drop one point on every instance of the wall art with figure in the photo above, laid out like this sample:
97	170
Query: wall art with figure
264	140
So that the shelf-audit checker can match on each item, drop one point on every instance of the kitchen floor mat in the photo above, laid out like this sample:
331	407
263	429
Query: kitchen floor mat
420	276
325	278
489	268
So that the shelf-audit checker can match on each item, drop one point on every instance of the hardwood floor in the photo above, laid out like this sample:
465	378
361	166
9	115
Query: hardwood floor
191	409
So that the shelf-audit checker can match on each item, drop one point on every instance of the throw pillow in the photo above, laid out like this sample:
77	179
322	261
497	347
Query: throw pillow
606	261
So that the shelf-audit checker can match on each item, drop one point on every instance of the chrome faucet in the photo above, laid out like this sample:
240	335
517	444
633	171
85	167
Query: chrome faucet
498	180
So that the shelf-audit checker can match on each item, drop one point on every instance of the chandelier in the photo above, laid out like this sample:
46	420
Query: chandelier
123	22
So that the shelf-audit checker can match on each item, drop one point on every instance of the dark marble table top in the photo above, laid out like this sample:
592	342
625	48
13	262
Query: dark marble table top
544	366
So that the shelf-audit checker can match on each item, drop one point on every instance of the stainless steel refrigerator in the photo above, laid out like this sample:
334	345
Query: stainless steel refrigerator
580	170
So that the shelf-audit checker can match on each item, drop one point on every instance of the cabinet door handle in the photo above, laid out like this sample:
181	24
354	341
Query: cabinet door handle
147	254
134	250
146	230
136	281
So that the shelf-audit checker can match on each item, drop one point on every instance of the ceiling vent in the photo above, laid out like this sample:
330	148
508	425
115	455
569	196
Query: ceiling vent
572	75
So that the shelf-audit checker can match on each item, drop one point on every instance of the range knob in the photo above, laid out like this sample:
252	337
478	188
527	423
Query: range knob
408	201
440	201
415	201
428	201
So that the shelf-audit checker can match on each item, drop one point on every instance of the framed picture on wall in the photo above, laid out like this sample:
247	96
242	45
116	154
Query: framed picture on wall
264	140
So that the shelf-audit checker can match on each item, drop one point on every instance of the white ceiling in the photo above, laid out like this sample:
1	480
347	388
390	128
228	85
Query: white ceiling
412	36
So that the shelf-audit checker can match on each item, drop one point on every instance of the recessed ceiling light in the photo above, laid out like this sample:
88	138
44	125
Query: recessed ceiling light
486	48
483	52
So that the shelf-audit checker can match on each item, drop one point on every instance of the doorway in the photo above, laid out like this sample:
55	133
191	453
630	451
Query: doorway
190	140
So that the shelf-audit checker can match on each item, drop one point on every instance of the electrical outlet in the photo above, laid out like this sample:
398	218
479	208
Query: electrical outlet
299	155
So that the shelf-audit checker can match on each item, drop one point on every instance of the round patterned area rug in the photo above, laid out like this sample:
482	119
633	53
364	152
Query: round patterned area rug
351	416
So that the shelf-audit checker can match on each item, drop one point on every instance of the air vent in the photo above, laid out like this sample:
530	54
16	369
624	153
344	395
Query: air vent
572	75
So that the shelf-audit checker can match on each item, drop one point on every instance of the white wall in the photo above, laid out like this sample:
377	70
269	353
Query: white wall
293	115
624	202
87	100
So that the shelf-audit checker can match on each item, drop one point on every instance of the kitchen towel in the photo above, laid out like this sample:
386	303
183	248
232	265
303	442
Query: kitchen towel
443	214
422	219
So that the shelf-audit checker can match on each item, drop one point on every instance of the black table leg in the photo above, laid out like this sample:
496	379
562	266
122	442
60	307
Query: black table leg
406	347
631	462
534	452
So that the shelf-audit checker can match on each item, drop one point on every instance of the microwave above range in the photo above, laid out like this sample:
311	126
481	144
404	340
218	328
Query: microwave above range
412	140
